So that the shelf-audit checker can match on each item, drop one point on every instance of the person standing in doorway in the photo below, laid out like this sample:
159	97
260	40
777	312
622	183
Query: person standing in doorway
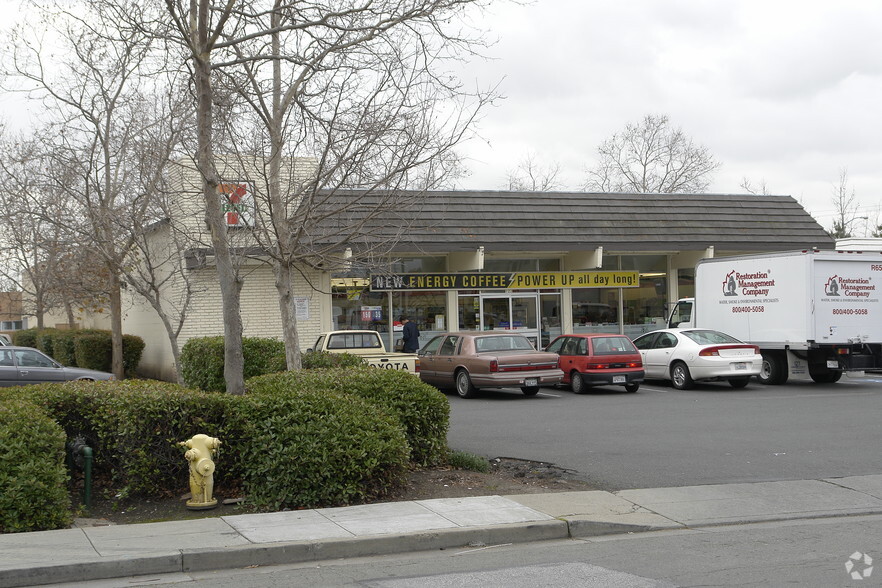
410	335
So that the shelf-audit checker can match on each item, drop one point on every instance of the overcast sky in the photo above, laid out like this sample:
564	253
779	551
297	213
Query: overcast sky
786	92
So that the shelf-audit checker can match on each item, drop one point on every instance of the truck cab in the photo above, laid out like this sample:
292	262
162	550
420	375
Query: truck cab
682	314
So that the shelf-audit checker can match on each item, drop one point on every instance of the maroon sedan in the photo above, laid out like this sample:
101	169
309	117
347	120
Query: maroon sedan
598	360
470	360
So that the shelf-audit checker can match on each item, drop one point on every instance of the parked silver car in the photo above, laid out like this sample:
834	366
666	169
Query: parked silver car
20	366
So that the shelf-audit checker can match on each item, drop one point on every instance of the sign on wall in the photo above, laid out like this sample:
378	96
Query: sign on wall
505	280
237	203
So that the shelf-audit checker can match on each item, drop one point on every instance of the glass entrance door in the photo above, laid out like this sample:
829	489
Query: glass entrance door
511	312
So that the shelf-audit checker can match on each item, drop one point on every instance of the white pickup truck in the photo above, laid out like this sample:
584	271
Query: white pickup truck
369	347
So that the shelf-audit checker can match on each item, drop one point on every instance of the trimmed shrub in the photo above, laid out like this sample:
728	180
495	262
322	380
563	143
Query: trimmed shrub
86	348
202	363
202	360
45	341
33	479
133	347
317	449
422	410
134	427
315	360
26	338
64	348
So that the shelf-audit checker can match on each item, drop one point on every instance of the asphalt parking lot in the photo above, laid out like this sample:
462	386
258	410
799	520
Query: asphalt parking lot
662	437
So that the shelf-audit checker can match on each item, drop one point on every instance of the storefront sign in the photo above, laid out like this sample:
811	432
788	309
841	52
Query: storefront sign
505	281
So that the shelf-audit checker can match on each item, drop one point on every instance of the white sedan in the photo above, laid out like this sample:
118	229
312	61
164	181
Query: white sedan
686	355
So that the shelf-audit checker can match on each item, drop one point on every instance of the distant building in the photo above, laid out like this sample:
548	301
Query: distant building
11	318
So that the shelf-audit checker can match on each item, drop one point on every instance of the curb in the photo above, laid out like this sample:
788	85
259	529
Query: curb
194	560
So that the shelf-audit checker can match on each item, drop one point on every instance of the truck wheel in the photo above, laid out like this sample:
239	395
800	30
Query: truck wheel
530	390
464	385
680	377
774	370
828	377
577	382
738	382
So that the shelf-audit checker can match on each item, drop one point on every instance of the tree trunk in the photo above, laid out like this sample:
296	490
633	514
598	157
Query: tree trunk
288	309
116	339
230	283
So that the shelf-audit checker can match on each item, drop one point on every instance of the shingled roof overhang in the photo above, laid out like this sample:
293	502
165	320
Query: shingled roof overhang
446	221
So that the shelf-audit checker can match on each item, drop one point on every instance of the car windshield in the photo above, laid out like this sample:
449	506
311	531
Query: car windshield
612	345
710	337
506	343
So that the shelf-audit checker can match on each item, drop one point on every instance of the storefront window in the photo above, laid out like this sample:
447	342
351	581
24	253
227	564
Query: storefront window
426	309
550	308
469	312
686	282
354	306
644	307
596	310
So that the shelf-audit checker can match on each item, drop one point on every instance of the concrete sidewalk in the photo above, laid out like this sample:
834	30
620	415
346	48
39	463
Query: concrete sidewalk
93	553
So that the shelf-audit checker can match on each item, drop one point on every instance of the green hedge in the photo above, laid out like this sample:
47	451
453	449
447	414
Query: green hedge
422	410
302	450
202	360
26	338
33	479
133	427
318	449
85	348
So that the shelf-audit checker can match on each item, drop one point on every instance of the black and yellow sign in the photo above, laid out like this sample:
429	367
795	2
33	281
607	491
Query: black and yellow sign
505	280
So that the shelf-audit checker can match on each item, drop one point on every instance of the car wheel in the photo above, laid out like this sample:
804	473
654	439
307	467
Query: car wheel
577	383
680	377
632	387
464	385
774	370
530	390
738	382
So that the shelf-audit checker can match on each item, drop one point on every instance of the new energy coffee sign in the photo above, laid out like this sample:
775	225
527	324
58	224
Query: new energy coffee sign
504	280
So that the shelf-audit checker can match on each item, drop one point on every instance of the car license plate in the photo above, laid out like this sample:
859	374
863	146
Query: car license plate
619	379
531	382
832	364
739	366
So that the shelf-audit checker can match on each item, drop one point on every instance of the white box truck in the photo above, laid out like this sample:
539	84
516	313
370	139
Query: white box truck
812	313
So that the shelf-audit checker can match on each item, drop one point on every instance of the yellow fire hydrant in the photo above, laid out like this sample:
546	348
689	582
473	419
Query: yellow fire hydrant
200	449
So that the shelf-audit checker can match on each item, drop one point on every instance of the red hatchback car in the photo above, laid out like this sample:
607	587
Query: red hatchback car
601	359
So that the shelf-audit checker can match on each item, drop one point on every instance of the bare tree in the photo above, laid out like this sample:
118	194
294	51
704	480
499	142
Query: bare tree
759	189
845	204
532	176
361	93
304	45
651	157
110	133
33	248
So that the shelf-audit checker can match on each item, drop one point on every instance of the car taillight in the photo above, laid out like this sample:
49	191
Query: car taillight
597	366
715	351
416	366
842	351
635	364
494	366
